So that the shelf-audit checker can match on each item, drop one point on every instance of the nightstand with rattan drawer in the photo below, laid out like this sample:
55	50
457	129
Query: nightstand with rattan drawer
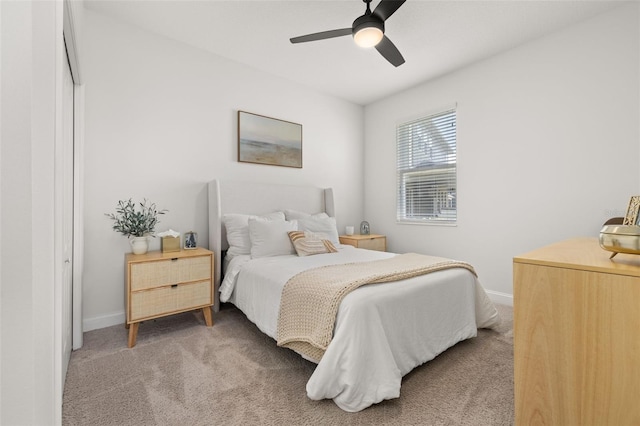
369	242
159	284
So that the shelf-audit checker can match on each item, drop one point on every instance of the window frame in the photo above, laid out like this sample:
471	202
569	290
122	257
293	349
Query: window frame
433	137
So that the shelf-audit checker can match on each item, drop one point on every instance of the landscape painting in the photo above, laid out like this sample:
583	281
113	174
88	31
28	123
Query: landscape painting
266	140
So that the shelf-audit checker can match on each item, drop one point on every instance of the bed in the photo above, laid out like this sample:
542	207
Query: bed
382	331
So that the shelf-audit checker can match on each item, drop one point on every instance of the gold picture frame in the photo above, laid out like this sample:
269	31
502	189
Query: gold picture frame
633	211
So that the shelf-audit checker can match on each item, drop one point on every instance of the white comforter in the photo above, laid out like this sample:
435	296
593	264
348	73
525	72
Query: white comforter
382	331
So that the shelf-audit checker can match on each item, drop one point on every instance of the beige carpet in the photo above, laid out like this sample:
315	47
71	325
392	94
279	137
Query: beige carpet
183	373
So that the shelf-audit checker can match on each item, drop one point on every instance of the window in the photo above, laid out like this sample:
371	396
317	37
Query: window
426	170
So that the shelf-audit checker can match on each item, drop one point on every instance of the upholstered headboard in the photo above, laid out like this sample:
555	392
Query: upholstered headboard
257	198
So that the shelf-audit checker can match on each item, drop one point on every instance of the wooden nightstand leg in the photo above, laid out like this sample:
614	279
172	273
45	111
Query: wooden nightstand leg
208	319
133	333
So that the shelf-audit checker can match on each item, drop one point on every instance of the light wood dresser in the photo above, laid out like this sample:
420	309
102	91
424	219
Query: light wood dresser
159	284
369	242
576	336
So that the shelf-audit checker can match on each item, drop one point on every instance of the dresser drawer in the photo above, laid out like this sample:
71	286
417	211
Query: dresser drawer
373	244
170	299
147	275
368	242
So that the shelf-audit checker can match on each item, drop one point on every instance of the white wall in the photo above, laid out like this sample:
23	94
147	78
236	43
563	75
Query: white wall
548	146
161	122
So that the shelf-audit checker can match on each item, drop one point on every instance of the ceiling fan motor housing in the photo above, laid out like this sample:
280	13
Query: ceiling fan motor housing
367	21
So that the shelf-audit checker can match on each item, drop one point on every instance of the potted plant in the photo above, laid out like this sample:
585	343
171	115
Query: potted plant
137	221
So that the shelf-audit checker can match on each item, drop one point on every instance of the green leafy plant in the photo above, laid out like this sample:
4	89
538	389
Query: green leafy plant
135	219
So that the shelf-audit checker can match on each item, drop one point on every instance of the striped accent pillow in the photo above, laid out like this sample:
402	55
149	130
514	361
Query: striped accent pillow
308	243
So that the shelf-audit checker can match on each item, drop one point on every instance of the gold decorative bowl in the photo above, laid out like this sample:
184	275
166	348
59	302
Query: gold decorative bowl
620	239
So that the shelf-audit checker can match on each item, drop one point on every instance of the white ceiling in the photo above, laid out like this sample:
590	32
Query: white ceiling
435	37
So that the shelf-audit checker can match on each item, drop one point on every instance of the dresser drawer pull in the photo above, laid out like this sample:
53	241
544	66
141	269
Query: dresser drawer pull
174	259
174	285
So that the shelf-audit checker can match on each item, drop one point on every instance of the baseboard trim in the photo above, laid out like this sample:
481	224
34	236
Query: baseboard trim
96	323
501	298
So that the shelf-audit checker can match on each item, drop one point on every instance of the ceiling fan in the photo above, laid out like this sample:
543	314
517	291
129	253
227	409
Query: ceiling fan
367	31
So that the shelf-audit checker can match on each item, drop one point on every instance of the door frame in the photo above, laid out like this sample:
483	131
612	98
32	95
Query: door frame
71	41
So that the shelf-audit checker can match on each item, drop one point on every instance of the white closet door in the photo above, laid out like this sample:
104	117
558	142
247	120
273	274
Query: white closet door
65	175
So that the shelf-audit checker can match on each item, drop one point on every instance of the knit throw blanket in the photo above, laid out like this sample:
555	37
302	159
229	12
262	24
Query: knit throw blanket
310	299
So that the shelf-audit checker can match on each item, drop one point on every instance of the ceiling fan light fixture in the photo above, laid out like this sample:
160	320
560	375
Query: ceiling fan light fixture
368	36
368	30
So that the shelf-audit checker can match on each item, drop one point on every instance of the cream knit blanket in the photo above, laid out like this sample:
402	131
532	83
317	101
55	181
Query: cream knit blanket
310	299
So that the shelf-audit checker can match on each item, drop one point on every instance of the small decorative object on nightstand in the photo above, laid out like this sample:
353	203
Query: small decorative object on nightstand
190	240
364	228
159	284
137	221
169	241
369	242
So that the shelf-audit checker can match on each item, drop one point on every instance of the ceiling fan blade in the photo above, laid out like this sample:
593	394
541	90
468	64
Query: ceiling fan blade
321	36
390	52
386	8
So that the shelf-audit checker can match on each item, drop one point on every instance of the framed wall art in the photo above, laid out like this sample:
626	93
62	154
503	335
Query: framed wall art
266	140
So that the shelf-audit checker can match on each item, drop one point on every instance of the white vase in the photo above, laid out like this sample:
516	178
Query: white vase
139	245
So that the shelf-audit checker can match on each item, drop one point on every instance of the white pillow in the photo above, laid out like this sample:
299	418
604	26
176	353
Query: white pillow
271	238
296	215
237	226
321	225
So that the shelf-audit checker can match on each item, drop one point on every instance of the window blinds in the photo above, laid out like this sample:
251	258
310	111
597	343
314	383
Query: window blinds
426	169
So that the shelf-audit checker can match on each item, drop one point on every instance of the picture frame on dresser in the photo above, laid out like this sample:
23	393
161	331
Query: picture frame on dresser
633	211
190	240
